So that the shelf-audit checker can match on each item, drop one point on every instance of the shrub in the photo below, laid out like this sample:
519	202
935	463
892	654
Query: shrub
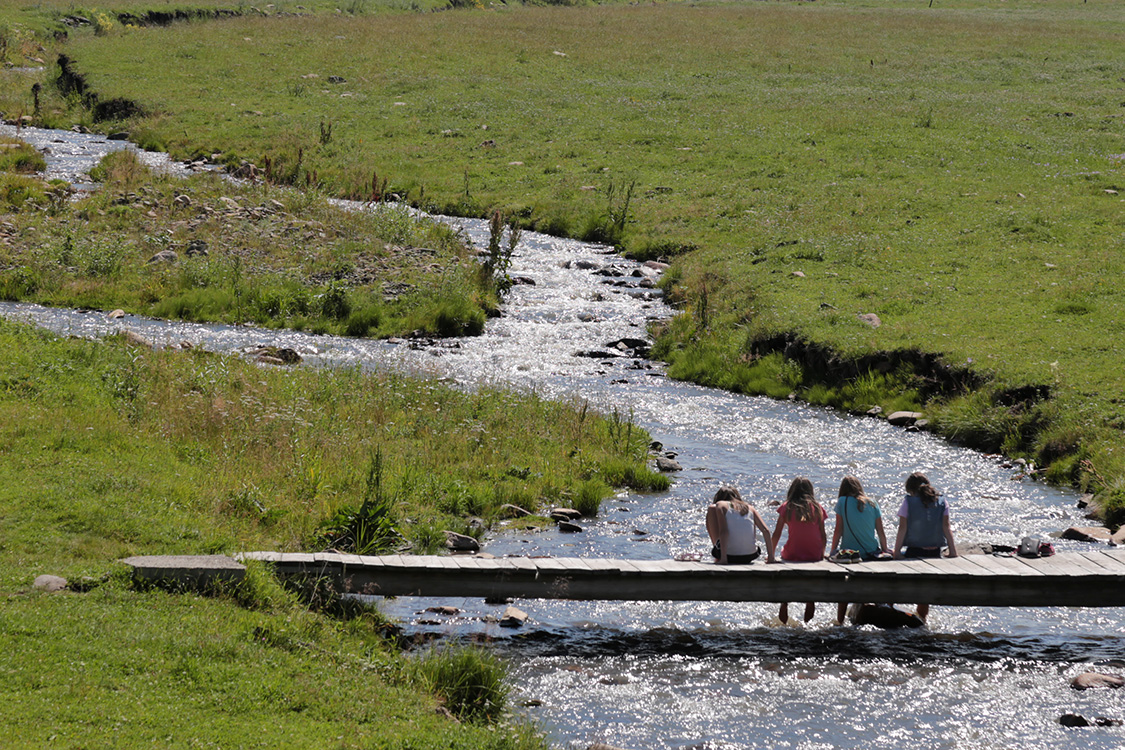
362	321
469	680
588	496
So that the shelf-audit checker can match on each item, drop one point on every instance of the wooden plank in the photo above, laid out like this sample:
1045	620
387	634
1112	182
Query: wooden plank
1056	565
1110	560
1100	564
1011	566
520	563
965	565
601	564
551	564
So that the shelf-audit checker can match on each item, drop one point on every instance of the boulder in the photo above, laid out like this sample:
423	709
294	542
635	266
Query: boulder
663	463
196	248
870	319
460	542
656	265
569	528
135	339
1087	534
564	514
513	617
1073	720
904	418
587	265
49	583
444	610
1092	680
164	256
116	314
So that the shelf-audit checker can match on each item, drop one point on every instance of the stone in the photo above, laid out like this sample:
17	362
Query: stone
798	274
182	201
513	511
567	527
460	542
663	463
116	314
135	339
874	411
870	319
656	265
1087	534
513	617
603	746
164	256
564	514
49	583
1073	720
904	418
587	265
444	610
1093	680
196	248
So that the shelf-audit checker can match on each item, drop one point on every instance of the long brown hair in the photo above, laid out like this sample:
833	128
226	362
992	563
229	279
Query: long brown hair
850	487
917	484
799	500
731	495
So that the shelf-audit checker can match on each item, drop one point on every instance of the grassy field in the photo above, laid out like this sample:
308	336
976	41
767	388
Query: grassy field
111	450
239	254
955	170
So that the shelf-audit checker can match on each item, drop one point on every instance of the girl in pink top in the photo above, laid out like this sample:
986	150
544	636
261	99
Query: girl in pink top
805	518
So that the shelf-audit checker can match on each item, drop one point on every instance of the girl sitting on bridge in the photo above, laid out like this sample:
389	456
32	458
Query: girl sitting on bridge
858	522
923	525
805	518
733	526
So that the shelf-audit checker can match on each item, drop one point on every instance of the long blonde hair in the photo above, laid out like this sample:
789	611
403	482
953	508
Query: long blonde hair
850	487
728	494
917	484
799	500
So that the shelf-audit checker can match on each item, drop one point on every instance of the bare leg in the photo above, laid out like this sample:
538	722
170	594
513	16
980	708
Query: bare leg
783	613
810	610
841	612
923	611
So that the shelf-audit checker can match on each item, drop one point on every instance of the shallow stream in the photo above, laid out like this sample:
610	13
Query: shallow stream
703	675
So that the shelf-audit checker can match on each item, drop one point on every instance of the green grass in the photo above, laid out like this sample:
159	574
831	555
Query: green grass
109	451
955	170
117	667
271	257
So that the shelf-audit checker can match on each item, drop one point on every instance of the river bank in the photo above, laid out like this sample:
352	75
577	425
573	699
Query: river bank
961	190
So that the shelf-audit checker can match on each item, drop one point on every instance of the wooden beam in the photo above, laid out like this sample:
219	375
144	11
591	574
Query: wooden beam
1095	579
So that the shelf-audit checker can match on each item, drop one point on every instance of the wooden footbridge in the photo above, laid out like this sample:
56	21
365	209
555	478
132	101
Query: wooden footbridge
1094	578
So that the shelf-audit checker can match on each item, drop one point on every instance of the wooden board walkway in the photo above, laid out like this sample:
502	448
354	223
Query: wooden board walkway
1095	578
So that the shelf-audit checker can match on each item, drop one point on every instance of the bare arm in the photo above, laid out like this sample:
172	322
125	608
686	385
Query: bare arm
881	534
837	532
900	538
761	526
949	536
718	530
823	532
777	530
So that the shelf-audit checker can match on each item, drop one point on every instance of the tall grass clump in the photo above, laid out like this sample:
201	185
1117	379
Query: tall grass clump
470	681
